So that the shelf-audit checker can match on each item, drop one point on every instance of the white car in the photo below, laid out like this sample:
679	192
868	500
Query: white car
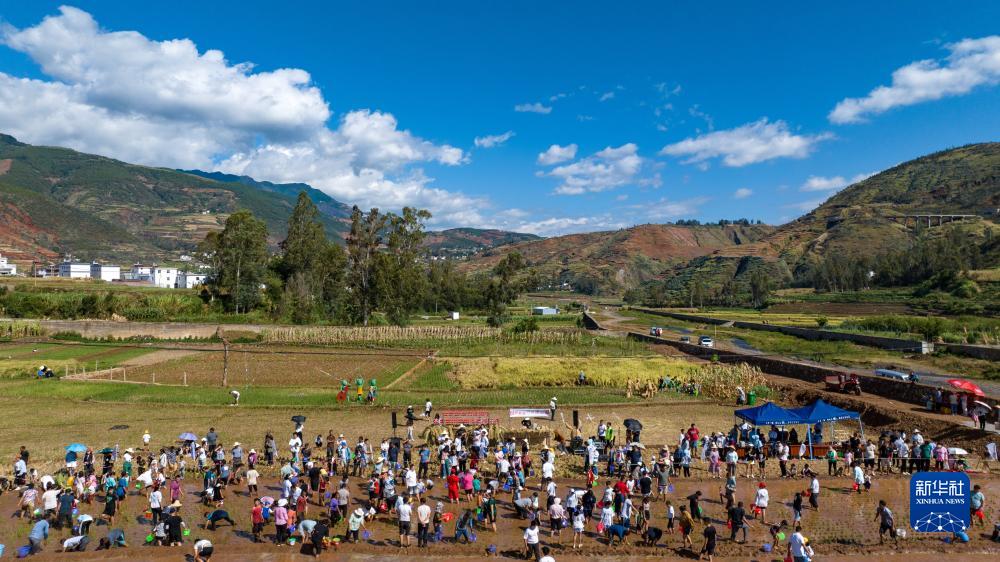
890	374
706	341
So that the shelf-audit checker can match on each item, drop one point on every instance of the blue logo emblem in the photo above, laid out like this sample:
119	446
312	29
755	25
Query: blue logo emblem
939	502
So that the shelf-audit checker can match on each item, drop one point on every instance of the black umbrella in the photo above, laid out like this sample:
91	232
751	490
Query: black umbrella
633	424
299	419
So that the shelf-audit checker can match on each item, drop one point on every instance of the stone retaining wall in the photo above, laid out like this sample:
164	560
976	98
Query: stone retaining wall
895	344
978	351
888	388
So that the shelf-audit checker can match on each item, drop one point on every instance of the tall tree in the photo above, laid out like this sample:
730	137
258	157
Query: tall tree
242	261
363	244
402	280
760	287
305	241
501	289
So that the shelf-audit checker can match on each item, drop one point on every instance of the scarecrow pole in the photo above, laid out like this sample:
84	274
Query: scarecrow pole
225	357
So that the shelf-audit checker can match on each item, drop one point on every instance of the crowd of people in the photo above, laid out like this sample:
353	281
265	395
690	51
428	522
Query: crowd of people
455	485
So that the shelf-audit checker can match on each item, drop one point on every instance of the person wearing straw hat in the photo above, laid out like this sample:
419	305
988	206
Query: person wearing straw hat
552	408
355	524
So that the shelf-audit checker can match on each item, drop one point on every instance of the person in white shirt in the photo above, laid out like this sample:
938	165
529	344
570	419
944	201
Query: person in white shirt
145	438
761	499
50	500
156	505
546	557
427	408
410	480
797	546
423	522
531	546
252	476
814	493
547	470
404	511
579	524
203	550
73	544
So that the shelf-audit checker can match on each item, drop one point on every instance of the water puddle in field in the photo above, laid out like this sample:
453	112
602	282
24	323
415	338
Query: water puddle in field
742	344
677	329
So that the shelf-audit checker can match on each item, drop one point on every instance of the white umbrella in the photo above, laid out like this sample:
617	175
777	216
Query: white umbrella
637	444
957	451
982	404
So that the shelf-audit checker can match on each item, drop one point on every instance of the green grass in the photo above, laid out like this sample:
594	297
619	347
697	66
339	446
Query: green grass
390	375
24	360
434	378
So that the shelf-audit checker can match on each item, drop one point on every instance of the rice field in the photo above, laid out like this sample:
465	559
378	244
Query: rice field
24	359
716	380
274	367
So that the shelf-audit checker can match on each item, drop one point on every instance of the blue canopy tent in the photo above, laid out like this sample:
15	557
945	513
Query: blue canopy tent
821	411
769	414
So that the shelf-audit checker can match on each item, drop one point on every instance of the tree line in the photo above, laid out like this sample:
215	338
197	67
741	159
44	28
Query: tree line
380	275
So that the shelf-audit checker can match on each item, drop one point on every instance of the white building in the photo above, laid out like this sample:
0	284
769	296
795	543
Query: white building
7	269
190	280
544	311
74	270
105	272
165	277
140	272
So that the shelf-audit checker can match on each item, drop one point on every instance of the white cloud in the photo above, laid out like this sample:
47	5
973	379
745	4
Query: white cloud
665	209
165	103
747	144
820	183
557	97
606	96
533	108
604	170
555	226
971	63
584	118
556	154
490	141
167	79
742	193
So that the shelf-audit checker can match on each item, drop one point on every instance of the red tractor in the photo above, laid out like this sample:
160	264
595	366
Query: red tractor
843	383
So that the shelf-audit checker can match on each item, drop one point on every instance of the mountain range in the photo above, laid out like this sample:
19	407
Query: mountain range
866	218
55	201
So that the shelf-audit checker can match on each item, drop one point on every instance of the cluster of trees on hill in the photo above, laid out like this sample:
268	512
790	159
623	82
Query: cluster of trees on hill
721	222
382	275
932	263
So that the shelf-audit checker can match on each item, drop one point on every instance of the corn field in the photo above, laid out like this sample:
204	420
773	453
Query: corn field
392	335
17	329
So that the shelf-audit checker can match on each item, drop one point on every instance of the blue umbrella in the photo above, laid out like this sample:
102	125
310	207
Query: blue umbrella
76	448
187	436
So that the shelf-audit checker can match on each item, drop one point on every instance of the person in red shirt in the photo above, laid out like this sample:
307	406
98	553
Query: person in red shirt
621	487
257	519
453	486
693	435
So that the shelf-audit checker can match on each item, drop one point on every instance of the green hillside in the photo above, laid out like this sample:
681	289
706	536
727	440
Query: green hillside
56	200
866	221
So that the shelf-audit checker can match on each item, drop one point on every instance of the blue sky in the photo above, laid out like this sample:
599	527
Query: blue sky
658	112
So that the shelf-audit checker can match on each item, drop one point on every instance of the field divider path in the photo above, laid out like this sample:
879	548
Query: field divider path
412	370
